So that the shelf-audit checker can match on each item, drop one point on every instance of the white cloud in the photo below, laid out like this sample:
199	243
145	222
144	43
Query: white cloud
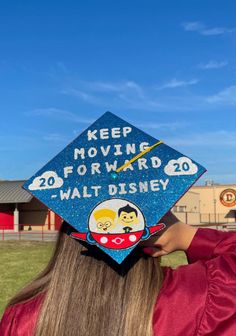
57	113
213	65
224	97
171	126
85	96
175	83
48	180
199	27
54	137
193	26
181	166
131	95
145	98
100	86
219	138
217	31
106	94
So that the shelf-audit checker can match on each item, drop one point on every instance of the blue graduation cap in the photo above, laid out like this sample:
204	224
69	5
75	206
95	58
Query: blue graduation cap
113	184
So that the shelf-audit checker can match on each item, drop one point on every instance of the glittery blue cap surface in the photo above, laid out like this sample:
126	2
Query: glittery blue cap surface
114	210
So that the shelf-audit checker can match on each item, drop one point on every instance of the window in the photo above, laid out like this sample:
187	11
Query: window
182	208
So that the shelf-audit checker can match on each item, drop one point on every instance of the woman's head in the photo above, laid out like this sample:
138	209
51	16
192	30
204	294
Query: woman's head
89	294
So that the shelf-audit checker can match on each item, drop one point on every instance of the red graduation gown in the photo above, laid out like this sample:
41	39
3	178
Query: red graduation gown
195	300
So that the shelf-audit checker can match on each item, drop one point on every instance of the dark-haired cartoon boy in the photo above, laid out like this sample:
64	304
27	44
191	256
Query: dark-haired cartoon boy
127	217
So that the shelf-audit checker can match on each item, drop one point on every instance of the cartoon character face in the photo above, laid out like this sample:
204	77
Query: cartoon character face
128	216
104	223
105	219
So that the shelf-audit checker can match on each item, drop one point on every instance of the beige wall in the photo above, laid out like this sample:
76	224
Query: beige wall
201	204
187	208
211	208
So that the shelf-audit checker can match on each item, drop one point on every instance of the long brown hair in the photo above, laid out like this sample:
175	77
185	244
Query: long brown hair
86	294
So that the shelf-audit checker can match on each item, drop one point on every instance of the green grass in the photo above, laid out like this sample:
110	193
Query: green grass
174	259
21	261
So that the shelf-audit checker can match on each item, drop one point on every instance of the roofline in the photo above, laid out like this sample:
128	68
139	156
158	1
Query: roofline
16	202
11	192
192	192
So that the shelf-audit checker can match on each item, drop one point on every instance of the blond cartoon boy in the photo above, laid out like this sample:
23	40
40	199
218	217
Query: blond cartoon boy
105	219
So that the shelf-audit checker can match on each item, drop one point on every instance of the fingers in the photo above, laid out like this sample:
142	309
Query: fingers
152	240
154	251
149	242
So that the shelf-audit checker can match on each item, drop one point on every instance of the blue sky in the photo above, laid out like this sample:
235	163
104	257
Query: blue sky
166	66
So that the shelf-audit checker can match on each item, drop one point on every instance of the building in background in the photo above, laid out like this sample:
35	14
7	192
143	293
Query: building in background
217	202
187	209
19	210
207	205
